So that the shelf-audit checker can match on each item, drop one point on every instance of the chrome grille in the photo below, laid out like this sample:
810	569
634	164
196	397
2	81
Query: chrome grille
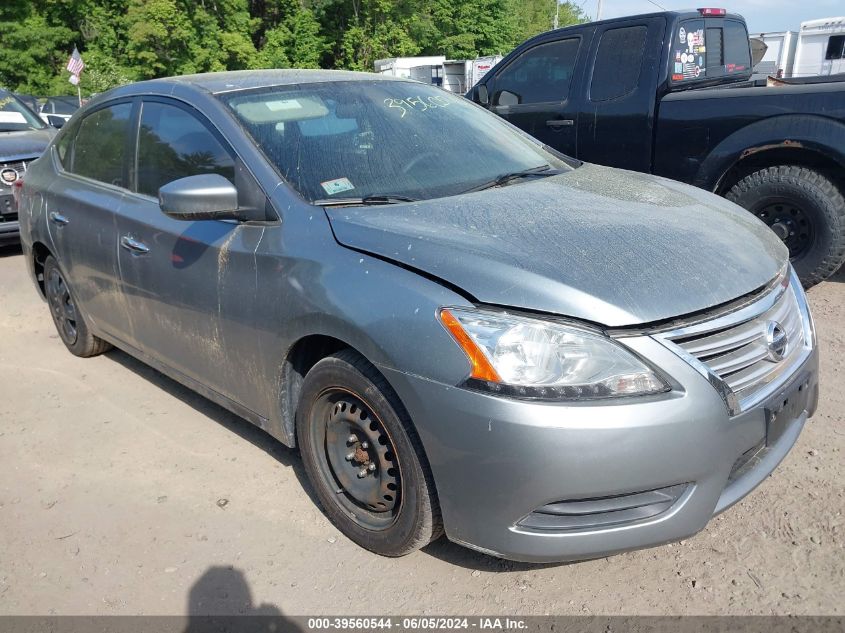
736	350
19	166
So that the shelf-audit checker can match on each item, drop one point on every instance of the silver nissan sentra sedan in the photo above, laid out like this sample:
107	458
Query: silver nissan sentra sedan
460	329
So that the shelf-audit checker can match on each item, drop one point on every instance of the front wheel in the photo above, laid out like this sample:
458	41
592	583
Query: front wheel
364	458
805	209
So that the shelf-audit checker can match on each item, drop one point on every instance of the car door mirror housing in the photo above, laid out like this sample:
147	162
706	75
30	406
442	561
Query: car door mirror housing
56	121
201	197
482	95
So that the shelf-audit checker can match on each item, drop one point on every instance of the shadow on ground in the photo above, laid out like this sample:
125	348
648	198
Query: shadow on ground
221	600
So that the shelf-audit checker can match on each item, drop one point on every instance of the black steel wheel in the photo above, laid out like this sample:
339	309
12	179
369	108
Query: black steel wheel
805	209
790	224
69	322
62	306
364	458
358	457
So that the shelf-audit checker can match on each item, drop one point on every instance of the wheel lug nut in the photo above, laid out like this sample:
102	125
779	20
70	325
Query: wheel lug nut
362	473
350	457
371	467
365	445
351	439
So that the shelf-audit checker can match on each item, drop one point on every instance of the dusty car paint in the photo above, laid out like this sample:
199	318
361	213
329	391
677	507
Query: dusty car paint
228	309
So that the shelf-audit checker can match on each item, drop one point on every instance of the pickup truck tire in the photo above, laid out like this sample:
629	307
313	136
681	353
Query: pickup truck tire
805	209
363	457
69	322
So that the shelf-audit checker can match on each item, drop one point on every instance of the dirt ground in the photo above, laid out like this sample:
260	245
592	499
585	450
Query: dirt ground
124	493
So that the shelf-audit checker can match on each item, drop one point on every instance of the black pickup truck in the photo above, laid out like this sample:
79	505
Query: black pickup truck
669	93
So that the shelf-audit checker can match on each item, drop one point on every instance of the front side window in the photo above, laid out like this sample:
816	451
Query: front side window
355	139
619	61
173	144
540	75
99	148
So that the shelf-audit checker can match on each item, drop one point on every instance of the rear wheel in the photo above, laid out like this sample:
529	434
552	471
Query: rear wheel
364	458
805	210
69	322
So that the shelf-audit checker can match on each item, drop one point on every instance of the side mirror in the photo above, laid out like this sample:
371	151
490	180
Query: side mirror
56	121
201	197
482	94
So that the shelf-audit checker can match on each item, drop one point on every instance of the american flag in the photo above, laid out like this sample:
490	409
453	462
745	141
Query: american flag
75	64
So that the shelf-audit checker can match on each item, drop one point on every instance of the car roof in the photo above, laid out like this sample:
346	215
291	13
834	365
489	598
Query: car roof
230	81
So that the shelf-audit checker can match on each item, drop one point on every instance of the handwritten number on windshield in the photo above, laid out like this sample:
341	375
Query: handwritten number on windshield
418	104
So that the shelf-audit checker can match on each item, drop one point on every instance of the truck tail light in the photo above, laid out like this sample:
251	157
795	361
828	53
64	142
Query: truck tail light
710	12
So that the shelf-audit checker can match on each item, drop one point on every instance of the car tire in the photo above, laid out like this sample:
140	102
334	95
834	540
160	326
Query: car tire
805	209
67	318
364	458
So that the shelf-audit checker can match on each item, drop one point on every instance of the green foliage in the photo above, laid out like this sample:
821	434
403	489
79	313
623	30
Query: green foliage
129	40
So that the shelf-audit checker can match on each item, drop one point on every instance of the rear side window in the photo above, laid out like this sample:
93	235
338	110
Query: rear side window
540	75
835	47
99	149
173	144
705	52
618	63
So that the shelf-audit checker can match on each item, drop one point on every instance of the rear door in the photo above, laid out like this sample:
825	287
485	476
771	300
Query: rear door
81	206
190	287
616	126
535	91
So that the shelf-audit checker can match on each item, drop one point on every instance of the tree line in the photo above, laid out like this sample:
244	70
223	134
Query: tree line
130	40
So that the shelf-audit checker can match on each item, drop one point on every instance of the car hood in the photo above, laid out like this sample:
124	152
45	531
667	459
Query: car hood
605	245
25	144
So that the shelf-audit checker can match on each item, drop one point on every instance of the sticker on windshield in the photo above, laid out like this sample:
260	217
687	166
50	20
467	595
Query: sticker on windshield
284	104
12	117
338	185
682	35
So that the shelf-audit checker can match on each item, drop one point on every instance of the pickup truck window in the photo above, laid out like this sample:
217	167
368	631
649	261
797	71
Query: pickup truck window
706	53
618	63
540	75
835	47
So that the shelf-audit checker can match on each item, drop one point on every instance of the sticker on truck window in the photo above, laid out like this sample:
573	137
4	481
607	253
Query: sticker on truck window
338	185
689	57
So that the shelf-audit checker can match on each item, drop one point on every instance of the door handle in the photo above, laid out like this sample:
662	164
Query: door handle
58	218
133	245
560	123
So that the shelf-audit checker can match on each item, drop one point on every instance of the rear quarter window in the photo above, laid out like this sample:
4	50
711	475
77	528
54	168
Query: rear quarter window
619	61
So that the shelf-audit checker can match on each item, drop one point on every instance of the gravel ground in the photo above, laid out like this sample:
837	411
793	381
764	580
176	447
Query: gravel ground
124	493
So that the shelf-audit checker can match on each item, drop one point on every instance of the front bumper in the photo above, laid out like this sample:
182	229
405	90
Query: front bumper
495	461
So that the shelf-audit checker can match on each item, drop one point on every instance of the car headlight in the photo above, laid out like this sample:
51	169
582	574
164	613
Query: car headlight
534	358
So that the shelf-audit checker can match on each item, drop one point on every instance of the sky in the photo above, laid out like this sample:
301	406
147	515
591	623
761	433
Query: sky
760	15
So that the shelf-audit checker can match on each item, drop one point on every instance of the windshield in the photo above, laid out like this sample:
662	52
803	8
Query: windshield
393	139
15	117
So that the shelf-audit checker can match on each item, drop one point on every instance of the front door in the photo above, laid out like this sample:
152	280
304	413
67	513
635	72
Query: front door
190	287
533	93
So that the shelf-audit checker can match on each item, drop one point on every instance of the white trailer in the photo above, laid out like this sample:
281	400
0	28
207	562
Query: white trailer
454	75
419	68
821	48
780	54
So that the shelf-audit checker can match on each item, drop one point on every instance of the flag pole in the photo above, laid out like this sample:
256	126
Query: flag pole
79	94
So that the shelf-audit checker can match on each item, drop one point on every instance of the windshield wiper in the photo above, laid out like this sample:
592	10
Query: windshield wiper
511	176
365	201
